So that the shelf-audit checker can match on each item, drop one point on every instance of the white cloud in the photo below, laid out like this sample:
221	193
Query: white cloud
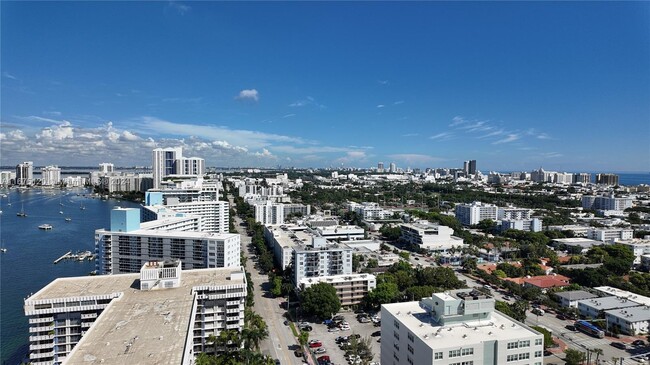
288	115
398	102
543	136
352	157
9	76
509	138
264	153
551	155
381	106
308	101
442	136
179	7
383	82
248	94
128	136
57	132
410	135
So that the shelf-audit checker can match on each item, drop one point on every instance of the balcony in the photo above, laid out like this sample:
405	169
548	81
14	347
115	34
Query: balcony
41	320
41	338
40	355
41	329
88	315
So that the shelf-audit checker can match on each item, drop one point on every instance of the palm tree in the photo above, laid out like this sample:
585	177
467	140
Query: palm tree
598	352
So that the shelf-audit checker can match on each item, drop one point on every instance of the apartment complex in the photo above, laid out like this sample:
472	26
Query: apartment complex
50	175
170	162
471	214
214	215
351	289
457	327
610	235
269	213
368	210
25	174
607	179
320	259
129	244
160	316
606	202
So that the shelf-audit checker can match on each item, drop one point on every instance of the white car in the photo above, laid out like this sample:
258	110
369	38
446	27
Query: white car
334	329
345	328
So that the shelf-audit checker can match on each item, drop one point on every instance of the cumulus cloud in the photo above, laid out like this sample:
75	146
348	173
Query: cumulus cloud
57	133
248	94
128	136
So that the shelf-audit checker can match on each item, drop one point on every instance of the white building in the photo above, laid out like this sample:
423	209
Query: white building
458	327
128	244
512	213
74	181
50	175
269	213
531	225
606	202
570	299
351	289
471	214
638	246
185	192
106	167
215	215
166	321
429	236
610	235
170	162
125	182
369	210
7	177
340	232
320	259
25	174
592	308
630	321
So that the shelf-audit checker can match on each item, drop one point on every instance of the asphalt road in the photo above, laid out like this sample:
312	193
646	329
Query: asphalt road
280	343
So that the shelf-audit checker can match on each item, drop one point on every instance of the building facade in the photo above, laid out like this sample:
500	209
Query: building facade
320	259
166	320
458	327
269	213
351	289
25	174
50	175
471	214
429	236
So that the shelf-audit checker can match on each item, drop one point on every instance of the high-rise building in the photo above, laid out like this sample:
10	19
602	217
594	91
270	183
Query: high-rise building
128	244
582	178
269	213
472	167
471	214
606	202
25	173
164	163
392	167
607	179
457	327
50	175
380	167
320	259
160	316
106	167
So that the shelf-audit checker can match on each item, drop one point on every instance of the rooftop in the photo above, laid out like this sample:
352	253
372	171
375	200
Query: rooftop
421	324
576	295
633	314
606	303
140	327
637	298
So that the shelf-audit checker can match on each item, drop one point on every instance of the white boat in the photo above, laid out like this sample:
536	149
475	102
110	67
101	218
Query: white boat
22	212
60	212
3	250
46	227
68	219
82	206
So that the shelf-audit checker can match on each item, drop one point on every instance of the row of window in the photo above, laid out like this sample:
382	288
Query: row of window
518	344
463	363
461	352
517	357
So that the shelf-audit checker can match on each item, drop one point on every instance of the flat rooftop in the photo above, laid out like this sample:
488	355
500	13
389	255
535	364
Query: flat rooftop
637	298
634	314
579	241
174	234
606	303
141	327
421	324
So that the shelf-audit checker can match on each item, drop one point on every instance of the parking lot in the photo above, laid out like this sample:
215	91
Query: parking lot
337	356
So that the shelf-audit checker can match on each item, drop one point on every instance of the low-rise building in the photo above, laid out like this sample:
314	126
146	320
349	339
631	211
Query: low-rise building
429	236
457	327
592	308
351	289
630	321
320	258
610	235
569	299
639	248
160	316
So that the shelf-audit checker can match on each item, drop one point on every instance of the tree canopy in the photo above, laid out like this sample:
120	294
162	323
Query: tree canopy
320	300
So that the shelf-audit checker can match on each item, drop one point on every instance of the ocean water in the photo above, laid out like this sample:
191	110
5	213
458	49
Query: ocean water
629	179
27	266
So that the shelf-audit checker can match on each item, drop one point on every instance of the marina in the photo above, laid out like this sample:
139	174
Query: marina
79	256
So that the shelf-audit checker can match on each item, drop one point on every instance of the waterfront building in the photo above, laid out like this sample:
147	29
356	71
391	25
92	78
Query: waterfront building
128	244
160	316
607	179
106	167
471	214
25	174
606	202
214	215
582	178
456	327
170	162
7	177
50	175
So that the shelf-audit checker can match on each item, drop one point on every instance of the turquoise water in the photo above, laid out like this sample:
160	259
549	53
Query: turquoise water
27	266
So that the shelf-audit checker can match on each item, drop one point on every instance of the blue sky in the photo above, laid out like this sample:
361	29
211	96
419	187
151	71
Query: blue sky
513	85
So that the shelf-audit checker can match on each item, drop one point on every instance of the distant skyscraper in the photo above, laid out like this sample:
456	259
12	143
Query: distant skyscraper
393	167
466	167
170	161
25	173
106	167
50	175
380	167
607	179
472	167
582	178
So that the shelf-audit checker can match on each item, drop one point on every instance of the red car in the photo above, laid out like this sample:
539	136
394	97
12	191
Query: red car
315	344
324	359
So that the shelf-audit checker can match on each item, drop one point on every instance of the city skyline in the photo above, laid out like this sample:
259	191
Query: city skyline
513	85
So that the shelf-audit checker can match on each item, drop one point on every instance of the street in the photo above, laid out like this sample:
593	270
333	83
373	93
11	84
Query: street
281	342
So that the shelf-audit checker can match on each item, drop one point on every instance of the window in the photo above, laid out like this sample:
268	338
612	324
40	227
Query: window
410	348
538	354
454	353
396	346
437	356
410	361
524	343
396	323
410	336
396	335
510	358
466	352
524	356
538	341
512	345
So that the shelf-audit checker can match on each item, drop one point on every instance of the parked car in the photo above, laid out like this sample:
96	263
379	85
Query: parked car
537	312
333	329
277	362
561	317
320	350
306	328
619	345
298	353
638	343
324	358
286	323
338	318
315	344
376	333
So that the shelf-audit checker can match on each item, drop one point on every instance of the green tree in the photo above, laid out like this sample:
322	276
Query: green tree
320	300
574	357
372	263
548	337
419	292
386	292
303	338
356	261
276	288
470	264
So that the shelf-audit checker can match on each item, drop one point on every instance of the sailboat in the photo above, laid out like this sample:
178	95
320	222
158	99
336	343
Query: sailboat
22	212
82	206
8	200
68	219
